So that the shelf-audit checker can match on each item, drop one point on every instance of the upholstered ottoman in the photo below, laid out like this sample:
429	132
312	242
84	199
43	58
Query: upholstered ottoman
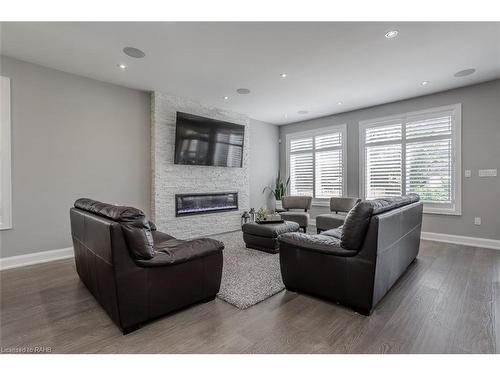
264	237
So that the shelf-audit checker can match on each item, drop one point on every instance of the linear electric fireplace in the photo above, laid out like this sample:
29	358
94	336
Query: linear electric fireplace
205	203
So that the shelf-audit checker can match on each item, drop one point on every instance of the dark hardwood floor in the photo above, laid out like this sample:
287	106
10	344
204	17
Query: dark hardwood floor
447	302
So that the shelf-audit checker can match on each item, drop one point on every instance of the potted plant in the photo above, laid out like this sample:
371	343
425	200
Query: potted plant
261	214
279	191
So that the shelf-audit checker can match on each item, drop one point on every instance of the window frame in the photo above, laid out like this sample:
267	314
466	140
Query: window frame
456	139
6	158
342	128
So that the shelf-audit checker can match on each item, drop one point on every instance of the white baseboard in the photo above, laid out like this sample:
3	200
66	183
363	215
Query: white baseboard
35	258
455	239
462	240
51	255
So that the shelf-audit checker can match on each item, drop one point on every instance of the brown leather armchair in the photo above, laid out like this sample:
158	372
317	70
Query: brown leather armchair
292	204
136	272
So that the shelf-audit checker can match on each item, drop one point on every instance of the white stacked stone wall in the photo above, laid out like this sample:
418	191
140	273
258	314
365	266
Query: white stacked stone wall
169	179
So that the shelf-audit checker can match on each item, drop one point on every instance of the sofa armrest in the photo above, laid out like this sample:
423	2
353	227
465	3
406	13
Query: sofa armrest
316	243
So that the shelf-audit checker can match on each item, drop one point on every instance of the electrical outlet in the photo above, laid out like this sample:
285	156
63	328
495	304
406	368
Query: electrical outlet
477	220
487	173
468	173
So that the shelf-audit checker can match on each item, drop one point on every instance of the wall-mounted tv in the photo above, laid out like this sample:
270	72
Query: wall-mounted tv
205	141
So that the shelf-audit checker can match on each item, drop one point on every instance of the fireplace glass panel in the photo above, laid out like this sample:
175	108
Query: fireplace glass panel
197	204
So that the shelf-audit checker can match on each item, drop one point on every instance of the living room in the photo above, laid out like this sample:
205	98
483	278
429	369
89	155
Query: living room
250	187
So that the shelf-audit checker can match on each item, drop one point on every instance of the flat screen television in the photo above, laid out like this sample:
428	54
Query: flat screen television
205	141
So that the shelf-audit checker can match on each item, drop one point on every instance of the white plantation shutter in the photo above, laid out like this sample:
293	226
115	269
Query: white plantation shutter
414	153
383	171
316	163
428	170
383	159
328	176
301	174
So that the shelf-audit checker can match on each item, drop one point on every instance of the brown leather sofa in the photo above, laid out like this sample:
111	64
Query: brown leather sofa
359	262
136	272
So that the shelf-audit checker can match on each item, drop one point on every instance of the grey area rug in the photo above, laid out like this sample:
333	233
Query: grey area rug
248	276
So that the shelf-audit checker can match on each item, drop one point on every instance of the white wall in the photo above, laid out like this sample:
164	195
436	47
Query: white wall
480	150
264	166
71	137
77	137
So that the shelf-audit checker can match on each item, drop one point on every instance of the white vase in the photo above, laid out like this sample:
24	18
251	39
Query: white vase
279	205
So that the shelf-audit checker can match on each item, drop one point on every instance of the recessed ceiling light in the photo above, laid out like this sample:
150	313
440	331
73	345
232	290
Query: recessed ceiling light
283	75
243	91
465	72
303	112
425	83
391	34
134	52
122	66
339	103
226	97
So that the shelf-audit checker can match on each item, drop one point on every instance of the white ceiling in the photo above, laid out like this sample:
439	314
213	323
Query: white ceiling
326	62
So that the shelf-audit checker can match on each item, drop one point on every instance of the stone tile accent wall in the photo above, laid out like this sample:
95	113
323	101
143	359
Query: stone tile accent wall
169	179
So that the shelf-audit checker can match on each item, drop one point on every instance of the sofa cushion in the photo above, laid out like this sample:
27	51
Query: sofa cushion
316	243
160	237
356	225
329	221
133	222
337	233
139	238
270	230
174	251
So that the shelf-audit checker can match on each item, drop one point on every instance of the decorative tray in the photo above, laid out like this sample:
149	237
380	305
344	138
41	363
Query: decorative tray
270	221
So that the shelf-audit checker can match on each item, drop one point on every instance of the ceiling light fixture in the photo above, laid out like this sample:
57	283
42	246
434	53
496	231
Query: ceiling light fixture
226	97
122	66
425	83
243	91
134	52
465	72
339	103
283	75
391	34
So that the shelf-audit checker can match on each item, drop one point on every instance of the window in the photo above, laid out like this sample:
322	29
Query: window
316	163
416	152
5	183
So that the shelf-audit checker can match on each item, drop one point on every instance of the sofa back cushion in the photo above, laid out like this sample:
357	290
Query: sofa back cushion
355	225
297	202
133	222
358	219
382	205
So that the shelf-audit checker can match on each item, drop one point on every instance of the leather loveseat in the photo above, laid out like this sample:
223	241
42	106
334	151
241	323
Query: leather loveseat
358	263
136	272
